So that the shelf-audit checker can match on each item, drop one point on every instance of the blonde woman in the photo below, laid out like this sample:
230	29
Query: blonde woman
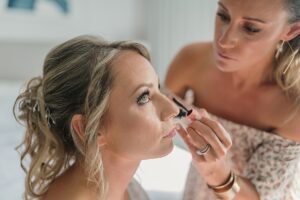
248	79
91	118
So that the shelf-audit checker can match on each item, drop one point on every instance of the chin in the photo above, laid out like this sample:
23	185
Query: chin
225	66
166	150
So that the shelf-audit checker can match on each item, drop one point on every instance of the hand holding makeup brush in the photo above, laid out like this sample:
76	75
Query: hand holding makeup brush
208	143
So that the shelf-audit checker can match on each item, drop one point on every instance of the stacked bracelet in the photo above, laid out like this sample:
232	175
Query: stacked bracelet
229	189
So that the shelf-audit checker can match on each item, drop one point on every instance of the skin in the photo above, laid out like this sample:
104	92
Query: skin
137	127
229	77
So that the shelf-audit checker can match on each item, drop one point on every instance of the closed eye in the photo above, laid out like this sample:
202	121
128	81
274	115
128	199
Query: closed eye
251	29
223	17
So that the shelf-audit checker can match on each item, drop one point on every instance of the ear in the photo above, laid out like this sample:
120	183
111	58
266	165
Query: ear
77	124
101	139
102	134
293	31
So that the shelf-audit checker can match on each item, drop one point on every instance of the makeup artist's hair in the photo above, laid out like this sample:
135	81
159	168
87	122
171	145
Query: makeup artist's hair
77	79
290	81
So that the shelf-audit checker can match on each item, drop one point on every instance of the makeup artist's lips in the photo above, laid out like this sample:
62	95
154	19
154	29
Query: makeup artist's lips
171	133
224	56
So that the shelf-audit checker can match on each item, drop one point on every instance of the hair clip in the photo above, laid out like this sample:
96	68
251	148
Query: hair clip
36	107
49	118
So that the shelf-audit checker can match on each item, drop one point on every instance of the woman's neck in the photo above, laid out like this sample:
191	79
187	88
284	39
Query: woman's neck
119	172
252	77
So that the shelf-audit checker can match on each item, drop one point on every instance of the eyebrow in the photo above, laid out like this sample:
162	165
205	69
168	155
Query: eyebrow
149	85
220	4
255	19
247	18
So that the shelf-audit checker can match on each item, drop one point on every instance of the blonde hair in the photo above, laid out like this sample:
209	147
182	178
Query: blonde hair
77	79
287	71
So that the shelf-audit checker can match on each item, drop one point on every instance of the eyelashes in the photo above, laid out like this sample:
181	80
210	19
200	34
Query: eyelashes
250	29
223	17
143	98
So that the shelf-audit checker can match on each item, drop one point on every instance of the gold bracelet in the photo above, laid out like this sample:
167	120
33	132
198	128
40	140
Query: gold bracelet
229	189
225	186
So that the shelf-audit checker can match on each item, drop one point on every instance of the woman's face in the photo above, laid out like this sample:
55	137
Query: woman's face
247	32
138	124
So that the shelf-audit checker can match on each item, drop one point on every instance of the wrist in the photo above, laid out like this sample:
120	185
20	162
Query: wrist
229	189
216	175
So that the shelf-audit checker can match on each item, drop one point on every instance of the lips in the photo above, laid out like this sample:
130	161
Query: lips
171	133
224	56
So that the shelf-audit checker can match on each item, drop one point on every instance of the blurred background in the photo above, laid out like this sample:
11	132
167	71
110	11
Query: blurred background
30	28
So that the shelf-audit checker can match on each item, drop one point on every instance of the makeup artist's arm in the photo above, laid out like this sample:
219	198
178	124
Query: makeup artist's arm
213	166
217	173
177	81
180	71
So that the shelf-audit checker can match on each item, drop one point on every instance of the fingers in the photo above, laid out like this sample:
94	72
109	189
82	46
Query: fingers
211	137
199	143
219	130
197	114
188	141
206	131
197	140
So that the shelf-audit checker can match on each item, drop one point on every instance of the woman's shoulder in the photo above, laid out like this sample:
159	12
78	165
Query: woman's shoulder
64	187
282	113
190	61
291	128
197	51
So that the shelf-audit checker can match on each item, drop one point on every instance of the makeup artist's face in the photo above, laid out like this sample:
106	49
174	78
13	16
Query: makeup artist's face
247	32
138	124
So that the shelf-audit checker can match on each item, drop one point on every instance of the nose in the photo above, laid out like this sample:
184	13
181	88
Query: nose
168	109
228	38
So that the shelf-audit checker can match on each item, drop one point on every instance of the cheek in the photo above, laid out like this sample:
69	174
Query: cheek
142	123
256	49
260	45
134	132
218	30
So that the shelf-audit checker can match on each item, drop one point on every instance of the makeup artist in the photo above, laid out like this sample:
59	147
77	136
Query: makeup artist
248	80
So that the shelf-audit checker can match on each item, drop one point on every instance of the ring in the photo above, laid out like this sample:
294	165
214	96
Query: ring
203	150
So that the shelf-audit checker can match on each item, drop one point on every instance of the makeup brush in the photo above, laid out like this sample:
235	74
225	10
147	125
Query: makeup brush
183	111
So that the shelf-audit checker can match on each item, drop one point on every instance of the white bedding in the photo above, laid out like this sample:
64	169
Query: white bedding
162	178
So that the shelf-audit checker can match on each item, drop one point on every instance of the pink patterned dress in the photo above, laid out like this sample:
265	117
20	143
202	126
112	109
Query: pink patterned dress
269	161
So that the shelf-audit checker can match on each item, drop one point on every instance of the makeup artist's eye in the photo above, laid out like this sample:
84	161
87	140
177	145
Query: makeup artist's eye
223	17
143	98
251	29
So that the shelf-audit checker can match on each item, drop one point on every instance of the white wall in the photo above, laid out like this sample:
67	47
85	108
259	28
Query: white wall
174	23
165	25
26	37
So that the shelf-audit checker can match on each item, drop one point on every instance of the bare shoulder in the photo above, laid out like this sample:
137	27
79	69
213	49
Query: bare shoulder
191	54
185	64
64	188
291	129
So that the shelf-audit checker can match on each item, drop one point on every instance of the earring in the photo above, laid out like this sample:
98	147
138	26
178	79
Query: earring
279	49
